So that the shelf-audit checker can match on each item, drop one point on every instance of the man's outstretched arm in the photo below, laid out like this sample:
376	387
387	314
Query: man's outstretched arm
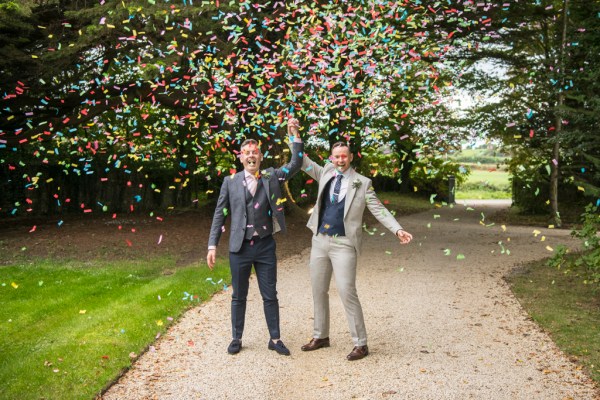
383	215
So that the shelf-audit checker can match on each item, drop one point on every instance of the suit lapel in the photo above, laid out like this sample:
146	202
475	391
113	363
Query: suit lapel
323	185
239	183
350	192
265	183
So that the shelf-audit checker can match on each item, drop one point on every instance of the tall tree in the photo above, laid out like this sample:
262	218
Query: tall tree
529	81
158	95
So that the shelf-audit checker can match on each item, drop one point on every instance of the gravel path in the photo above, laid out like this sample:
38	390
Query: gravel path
440	327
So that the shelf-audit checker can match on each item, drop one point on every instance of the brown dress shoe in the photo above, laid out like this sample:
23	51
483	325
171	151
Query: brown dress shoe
315	344
357	353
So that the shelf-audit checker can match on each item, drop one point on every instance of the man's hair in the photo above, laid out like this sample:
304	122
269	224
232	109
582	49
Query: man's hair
339	144
247	142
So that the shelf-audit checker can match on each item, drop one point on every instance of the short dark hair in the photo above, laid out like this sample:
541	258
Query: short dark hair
340	144
247	142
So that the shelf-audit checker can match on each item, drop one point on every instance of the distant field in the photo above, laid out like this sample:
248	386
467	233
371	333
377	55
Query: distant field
497	178
484	156
485	182
488	179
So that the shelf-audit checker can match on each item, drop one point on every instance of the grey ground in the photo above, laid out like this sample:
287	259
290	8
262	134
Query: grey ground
440	327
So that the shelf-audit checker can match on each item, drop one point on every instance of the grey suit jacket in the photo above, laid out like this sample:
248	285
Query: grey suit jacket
232	200
360	194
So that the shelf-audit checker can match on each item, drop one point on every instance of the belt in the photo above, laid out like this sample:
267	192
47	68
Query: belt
325	234
256	238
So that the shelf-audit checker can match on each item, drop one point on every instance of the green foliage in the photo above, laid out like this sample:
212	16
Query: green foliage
187	82
9	6
588	260
531	185
530	191
558	260
531	181
581	142
479	156
430	175
141	85
541	91
379	162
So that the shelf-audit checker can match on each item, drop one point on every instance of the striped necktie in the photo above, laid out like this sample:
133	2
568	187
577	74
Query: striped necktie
336	188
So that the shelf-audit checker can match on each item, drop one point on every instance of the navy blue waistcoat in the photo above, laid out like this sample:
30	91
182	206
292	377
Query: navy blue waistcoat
259	216
332	215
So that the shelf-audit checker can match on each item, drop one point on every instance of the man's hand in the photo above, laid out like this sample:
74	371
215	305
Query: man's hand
293	127
404	236
210	258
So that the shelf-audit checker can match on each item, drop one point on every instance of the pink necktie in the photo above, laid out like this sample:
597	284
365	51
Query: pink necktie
252	184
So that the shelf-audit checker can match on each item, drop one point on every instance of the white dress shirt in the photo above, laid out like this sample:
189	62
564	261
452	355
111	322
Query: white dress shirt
251	182
343	188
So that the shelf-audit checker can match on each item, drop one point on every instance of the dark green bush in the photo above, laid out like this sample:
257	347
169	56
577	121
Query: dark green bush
588	260
430	175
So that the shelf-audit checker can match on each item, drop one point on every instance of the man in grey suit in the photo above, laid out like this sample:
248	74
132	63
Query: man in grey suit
254	200
336	222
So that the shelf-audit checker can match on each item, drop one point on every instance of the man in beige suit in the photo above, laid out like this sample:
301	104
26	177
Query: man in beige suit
336	222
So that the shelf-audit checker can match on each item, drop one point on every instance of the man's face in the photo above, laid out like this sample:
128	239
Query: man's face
251	158
341	158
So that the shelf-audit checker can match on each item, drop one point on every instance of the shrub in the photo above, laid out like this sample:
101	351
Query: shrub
430	174
590	259
587	261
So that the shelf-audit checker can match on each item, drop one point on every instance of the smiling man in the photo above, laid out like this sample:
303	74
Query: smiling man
253	198
336	222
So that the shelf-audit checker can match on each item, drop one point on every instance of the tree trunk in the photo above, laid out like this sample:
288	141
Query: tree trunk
554	165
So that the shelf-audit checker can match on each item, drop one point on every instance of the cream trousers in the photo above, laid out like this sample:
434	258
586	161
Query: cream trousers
335	255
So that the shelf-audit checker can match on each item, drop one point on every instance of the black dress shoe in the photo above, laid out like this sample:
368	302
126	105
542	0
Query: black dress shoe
279	347
357	353
315	344
235	346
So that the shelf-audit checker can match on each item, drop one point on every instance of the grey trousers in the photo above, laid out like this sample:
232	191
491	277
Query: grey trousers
335	255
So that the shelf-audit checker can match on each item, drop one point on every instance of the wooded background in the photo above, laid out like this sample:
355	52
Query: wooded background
123	106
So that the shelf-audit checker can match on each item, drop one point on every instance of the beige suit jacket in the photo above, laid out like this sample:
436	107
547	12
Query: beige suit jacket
360	194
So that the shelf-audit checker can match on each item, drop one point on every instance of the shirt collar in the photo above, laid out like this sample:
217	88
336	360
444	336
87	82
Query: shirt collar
346	173
248	174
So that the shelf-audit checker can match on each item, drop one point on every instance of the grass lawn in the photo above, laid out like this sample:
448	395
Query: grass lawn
485	182
566	308
404	204
68	328
498	178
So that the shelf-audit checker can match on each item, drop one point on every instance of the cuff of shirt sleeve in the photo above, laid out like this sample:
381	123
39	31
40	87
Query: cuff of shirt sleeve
212	247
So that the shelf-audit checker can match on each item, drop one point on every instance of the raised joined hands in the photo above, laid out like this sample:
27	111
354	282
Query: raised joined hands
293	127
